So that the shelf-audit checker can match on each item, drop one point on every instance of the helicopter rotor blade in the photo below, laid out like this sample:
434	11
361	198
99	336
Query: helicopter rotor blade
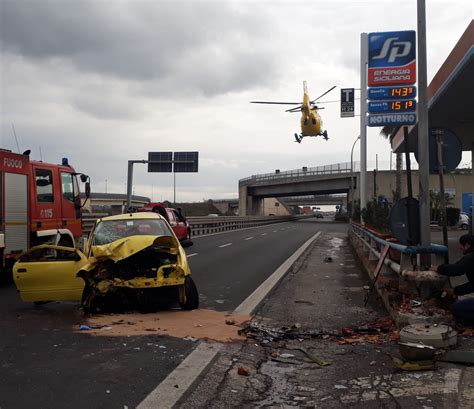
296	109
275	103
329	90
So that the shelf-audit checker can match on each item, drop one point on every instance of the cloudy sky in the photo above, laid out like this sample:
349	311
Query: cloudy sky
105	81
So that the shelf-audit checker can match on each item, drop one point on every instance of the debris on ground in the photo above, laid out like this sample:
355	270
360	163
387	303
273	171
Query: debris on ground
314	358
460	357
243	371
379	331
413	366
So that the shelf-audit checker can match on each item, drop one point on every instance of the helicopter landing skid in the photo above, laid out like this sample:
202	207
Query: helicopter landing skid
299	138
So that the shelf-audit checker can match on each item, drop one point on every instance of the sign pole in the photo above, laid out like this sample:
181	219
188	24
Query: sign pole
444	219
423	142
364	56
129	184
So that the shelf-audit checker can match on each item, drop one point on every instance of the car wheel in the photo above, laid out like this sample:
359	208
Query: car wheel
191	295
464	227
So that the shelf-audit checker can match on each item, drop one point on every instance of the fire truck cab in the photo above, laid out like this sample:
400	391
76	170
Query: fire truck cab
39	203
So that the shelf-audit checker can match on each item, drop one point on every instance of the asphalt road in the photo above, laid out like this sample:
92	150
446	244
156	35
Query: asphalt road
46	363
228	267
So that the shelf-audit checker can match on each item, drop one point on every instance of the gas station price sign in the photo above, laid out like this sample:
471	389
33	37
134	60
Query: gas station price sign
405	105
379	93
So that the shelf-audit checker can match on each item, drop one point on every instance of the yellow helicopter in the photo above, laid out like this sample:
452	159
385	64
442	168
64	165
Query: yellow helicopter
311	122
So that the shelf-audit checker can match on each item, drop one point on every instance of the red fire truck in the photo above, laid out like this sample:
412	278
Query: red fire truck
39	203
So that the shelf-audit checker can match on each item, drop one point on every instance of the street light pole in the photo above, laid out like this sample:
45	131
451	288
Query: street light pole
352	177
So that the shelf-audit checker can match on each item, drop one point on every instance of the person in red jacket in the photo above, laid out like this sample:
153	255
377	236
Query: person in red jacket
464	309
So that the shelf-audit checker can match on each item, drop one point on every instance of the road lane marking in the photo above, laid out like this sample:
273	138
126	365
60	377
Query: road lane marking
275	231
225	245
191	255
166	395
249	238
263	234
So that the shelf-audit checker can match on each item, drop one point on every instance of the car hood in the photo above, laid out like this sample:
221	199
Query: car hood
128	246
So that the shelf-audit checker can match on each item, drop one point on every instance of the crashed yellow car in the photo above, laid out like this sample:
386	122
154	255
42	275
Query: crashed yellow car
131	261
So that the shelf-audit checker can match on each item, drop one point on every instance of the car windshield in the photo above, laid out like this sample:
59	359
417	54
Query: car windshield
111	230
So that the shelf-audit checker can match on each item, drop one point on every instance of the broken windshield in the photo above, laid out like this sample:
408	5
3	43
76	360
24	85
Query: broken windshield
108	231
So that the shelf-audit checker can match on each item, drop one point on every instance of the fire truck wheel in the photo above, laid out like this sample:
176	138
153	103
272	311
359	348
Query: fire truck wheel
38	303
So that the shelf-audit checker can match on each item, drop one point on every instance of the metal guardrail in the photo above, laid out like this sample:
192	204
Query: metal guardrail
375	244
335	169
208	225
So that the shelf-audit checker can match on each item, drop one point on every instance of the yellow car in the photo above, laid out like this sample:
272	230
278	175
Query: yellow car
130	261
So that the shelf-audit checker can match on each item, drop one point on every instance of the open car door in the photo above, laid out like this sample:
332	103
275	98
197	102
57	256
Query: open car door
48	273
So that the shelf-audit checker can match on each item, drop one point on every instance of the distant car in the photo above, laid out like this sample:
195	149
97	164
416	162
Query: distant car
131	260
464	221
174	217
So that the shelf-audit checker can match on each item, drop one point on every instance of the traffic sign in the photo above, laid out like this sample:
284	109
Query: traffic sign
347	102
160	161
451	149
391	119
392	92
408	105
186	161
392	58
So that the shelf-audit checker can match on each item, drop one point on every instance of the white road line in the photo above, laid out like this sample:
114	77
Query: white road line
225	245
263	234
191	255
249	238
275	231
167	394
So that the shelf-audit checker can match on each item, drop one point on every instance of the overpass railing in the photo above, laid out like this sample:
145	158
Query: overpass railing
334	169
208	224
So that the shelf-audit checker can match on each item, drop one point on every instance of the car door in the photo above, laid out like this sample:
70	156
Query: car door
178	226
48	273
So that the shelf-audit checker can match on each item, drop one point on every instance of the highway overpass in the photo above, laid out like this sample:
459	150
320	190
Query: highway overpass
333	179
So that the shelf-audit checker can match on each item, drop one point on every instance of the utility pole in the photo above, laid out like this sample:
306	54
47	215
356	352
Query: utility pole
423	139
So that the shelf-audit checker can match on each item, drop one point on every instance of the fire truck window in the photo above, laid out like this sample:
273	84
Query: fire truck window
67	186
44	186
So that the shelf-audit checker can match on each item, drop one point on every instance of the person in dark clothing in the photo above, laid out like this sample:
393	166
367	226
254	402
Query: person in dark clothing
464	309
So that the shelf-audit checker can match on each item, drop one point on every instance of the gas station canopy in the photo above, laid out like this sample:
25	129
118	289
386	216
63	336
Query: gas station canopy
450	96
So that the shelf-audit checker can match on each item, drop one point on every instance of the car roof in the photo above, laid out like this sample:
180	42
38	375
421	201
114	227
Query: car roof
133	216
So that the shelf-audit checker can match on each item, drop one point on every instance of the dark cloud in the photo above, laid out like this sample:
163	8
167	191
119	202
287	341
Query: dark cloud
216	47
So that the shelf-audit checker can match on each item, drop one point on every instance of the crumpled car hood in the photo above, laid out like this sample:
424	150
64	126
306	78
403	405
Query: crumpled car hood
128	246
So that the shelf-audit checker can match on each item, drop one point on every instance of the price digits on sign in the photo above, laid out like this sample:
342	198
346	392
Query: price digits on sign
401	92
403	105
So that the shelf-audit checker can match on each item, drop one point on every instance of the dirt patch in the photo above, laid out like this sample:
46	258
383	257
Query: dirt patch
199	324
